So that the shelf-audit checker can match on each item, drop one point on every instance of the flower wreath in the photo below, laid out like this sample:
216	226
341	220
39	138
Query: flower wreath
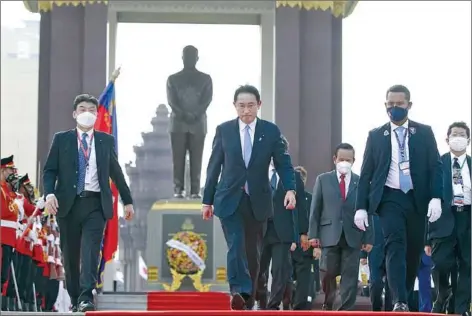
178	260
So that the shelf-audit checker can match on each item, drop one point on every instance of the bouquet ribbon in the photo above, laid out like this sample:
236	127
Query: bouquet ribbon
188	251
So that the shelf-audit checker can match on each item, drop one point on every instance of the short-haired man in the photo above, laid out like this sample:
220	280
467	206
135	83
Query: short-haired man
331	217
449	237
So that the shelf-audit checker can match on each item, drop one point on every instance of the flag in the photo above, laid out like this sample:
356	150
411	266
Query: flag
142	268
106	122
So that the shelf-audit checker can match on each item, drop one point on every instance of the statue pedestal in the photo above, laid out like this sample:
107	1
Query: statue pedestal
181	220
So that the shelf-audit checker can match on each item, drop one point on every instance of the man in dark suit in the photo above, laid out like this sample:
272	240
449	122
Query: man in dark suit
449	237
242	198
189	93
302	256
76	179
376	261
401	181
283	232
331	217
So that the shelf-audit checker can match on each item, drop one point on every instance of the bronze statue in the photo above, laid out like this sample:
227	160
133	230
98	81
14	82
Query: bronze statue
189	93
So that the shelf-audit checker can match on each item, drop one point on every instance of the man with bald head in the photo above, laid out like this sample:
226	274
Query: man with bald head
189	93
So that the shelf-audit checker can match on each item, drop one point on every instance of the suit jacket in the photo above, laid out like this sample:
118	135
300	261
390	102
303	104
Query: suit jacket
189	92
60	171
330	215
425	167
227	160
444	226
290	224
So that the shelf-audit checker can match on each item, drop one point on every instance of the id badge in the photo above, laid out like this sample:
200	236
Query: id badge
458	200
458	190
457	181
405	167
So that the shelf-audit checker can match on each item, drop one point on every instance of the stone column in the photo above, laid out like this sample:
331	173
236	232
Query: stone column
73	60
309	86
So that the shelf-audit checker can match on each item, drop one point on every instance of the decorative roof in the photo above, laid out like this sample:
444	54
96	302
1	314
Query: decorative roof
339	8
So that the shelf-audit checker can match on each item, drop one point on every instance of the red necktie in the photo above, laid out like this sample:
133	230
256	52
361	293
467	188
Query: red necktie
342	187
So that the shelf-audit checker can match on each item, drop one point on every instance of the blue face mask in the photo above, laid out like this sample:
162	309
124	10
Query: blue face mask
397	114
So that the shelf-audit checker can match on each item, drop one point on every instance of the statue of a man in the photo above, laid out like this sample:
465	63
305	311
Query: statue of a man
189	93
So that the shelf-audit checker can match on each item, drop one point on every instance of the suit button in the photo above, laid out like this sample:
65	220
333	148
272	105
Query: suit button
74	186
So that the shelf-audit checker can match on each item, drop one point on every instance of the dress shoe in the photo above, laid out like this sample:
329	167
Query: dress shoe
86	307
237	302
437	308
195	196
178	195
73	308
467	313
400	307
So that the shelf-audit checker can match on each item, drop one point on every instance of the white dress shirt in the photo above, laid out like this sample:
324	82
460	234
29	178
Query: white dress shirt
466	186
347	180
252	129
91	172
393	178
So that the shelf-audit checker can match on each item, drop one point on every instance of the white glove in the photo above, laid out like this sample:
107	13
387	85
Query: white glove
361	219
434	210
40	204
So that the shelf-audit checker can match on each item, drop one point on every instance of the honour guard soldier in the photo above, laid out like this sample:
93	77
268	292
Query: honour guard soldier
24	269
9	221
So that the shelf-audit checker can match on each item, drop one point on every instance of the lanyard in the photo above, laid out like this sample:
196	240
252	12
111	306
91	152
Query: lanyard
89	148
401	146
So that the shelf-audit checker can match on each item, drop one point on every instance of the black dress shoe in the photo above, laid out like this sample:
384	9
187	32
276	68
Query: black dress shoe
178	195
400	307
438	308
86	307
74	309
467	313
195	196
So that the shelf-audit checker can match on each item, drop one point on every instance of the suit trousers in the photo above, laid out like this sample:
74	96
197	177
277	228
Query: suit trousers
424	284
447	254
340	260
279	253
81	238
301	262
244	238
403	228
378	281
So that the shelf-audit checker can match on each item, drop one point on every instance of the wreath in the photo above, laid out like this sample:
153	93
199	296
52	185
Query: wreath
179	261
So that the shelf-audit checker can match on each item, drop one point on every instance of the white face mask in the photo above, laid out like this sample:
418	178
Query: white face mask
458	143
86	119
343	167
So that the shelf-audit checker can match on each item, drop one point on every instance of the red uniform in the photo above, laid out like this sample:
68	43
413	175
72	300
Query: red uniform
9	216
25	241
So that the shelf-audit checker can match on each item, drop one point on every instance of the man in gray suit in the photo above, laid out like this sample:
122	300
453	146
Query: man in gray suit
332	227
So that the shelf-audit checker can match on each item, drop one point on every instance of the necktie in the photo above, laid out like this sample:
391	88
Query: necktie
247	151
273	182
405	180
456	171
342	187
82	164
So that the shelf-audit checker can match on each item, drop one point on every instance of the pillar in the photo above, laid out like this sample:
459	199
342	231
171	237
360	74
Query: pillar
72	60
308	85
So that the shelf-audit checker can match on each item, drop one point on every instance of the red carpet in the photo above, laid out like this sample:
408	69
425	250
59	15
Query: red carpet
249	313
218	304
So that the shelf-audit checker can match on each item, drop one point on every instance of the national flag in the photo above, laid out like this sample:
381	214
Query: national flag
107	123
